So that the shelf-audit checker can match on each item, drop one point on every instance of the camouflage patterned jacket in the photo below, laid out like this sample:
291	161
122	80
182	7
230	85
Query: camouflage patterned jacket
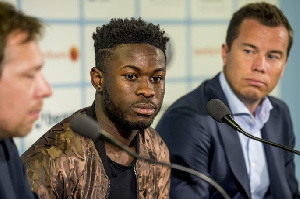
63	164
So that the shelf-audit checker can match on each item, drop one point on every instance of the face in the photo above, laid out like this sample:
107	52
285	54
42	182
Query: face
22	86
134	85
256	60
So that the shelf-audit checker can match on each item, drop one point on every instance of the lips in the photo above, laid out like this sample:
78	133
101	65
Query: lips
144	108
35	114
255	82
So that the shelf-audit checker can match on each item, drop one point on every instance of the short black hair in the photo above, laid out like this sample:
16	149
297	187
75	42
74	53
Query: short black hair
126	31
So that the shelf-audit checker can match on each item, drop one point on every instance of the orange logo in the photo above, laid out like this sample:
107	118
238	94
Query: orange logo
74	53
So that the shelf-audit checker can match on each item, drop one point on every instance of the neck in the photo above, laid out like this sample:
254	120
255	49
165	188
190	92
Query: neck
251	105
123	135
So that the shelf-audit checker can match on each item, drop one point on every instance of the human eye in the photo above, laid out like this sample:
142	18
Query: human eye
156	79
130	77
273	56
247	51
30	75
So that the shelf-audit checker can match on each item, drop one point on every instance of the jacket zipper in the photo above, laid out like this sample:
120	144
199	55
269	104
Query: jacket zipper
136	178
108	189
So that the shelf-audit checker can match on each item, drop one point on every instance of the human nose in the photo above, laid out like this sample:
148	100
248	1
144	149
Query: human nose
259	64
43	87
145	88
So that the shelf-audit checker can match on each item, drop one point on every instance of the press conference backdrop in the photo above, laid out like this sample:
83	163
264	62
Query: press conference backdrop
196	27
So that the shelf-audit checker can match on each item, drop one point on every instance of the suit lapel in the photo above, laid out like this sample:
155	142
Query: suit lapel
234	155
230	139
275	159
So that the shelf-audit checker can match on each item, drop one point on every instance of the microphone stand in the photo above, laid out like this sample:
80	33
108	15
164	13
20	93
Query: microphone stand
87	127
231	122
107	137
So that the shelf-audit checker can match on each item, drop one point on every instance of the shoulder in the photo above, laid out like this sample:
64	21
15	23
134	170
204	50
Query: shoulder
150	140
192	106
277	102
280	117
151	135
279	106
58	142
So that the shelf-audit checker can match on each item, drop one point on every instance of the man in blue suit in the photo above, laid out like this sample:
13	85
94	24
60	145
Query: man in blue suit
23	88
258	41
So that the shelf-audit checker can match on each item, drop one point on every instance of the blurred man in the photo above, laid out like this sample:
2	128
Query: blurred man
22	90
258	42
129	79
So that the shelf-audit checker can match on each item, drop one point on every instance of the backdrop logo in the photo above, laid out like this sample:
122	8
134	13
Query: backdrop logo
72	54
48	119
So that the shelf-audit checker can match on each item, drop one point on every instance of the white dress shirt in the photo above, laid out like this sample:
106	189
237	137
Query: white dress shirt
253	150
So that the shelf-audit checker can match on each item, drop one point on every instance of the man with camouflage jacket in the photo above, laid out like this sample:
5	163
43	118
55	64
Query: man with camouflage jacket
129	79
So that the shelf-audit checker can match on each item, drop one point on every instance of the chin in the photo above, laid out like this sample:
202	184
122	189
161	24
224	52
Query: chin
140	124
253	97
24	131
252	94
147	122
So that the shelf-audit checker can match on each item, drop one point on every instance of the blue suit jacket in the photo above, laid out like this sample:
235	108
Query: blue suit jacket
13	180
197	141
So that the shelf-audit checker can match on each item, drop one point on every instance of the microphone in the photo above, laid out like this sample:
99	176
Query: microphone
221	113
89	128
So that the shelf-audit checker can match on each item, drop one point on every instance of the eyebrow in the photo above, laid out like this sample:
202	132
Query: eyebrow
37	67
249	45
131	66
138	69
272	51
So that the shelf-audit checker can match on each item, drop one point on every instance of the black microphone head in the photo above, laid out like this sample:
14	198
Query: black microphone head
217	109
85	126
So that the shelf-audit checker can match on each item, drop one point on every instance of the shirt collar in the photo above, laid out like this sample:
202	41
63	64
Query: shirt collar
237	106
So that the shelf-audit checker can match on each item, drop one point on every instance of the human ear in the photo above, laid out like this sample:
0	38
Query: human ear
97	79
224	53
